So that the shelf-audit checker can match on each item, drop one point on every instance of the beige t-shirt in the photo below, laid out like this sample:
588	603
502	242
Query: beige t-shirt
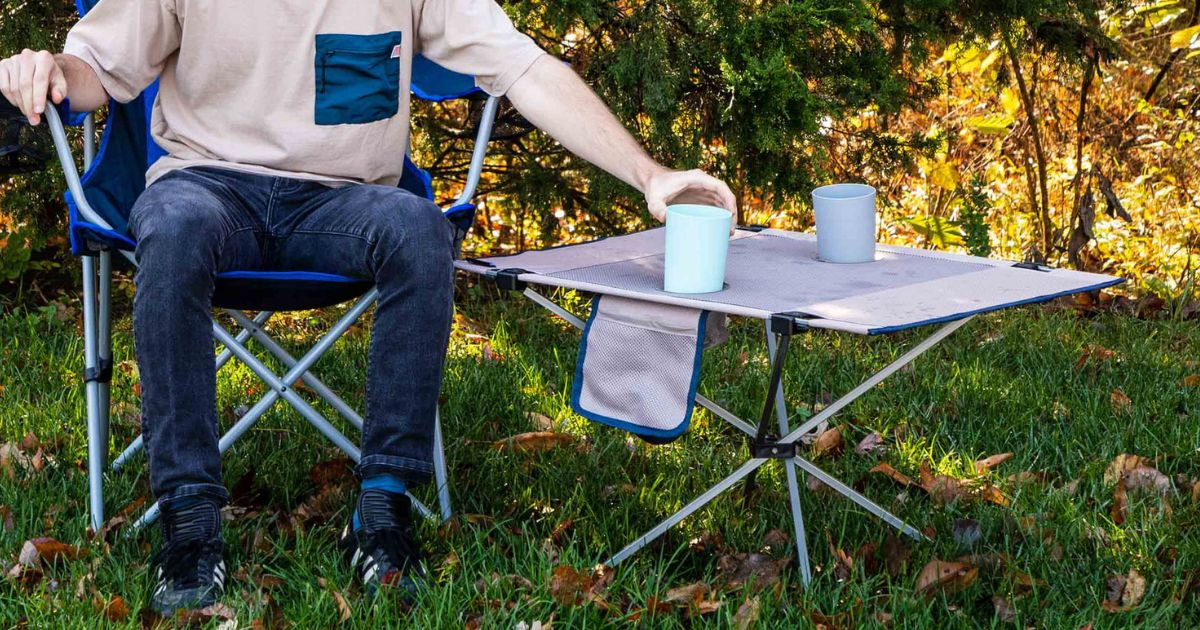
310	89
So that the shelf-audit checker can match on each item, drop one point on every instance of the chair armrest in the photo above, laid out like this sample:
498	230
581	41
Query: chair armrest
486	122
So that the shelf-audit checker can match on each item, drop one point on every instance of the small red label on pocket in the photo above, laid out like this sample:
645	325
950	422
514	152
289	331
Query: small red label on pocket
395	52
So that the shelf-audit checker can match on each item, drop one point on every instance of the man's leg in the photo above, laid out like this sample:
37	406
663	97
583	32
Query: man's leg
188	227
404	244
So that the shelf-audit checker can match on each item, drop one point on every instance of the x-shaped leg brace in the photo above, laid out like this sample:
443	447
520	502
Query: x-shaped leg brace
282	387
784	448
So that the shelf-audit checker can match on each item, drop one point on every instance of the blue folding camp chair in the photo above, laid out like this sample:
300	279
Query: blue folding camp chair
99	202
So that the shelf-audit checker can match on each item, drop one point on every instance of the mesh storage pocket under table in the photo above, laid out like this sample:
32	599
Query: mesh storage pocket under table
638	366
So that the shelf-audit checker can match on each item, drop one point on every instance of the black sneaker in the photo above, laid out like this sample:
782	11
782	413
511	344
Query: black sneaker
190	568
380	543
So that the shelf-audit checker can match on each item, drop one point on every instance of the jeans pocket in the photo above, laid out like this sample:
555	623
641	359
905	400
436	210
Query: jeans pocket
357	78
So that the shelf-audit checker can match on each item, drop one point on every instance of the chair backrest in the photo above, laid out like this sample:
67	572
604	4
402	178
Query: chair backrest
116	177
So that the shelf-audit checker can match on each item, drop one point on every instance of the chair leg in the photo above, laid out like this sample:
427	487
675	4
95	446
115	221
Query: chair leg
104	347
97	447
440	475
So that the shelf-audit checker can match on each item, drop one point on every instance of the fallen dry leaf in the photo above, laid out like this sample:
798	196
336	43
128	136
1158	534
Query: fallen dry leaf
115	609
941	488
6	519
870	445
776	539
843	568
739	569
1191	380
1121	464
30	443
895	555
1147	478
1120	402
1095	353
1120	503
988	463
202	616
532	442
41	551
747	614
1125	592
344	612
539	421
828	443
332	472
572	587
946	577
682	595
895	475
1004	610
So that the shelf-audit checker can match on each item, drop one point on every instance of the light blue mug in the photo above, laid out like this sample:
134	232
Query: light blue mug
696	249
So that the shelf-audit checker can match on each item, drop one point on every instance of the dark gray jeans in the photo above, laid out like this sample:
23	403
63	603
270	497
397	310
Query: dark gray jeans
192	224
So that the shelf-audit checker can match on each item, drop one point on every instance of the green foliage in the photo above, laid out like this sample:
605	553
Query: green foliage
972	218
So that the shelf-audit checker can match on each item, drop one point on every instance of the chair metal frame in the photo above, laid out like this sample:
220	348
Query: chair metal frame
97	331
765	446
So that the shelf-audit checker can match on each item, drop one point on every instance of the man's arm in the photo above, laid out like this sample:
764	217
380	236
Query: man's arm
27	79
551	96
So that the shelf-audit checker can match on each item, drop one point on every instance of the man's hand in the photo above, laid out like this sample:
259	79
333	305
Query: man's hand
667	187
551	96
27	79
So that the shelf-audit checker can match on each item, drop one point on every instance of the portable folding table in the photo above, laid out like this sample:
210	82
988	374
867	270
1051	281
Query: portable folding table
775	276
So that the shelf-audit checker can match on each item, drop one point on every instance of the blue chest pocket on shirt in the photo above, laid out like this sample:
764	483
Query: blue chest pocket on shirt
358	78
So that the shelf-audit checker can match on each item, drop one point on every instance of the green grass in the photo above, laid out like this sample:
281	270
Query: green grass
1006	382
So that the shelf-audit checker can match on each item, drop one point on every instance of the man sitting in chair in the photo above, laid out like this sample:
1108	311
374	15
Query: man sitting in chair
285	125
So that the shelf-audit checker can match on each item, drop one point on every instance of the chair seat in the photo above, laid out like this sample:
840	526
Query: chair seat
285	290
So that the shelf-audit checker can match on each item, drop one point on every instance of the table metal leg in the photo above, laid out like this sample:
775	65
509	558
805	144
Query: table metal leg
686	511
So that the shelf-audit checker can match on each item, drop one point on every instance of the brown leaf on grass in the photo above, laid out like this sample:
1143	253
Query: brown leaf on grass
988	463
941	488
992	494
1191	380
870	445
6	519
739	569
114	609
895	475
533	442
572	587
119	519
332	472
1122	464
687	594
12	459
30	443
1147	478
41	551
202	616
1120	402
693	598
1125	592
1094	353
843	567
746	616
1004	610
828	443
1120	503
344	611
945	577
895	555
707	542
541	422
776	539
